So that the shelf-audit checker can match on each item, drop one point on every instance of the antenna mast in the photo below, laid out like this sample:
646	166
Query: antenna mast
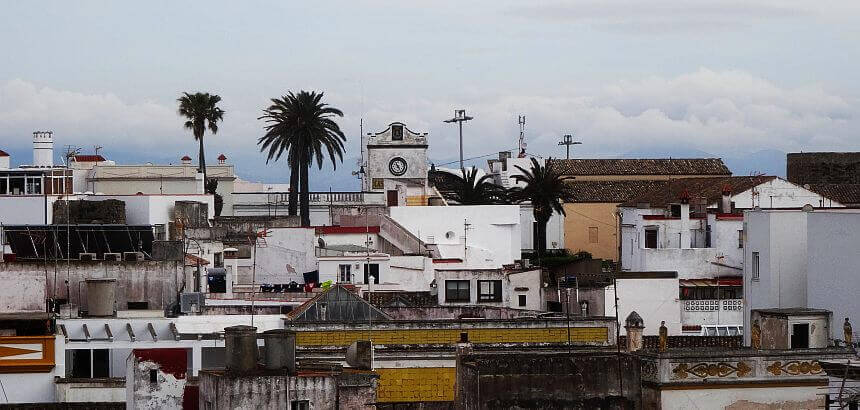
521	120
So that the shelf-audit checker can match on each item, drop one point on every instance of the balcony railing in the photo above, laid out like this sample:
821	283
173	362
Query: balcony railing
711	305
317	198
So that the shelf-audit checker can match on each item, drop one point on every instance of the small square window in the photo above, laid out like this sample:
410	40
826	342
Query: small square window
522	300
651	238
489	291
300	405
457	291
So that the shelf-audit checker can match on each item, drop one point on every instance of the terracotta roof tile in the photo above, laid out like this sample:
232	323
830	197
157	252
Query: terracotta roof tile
3	153
709	189
609	191
89	158
845	194
662	166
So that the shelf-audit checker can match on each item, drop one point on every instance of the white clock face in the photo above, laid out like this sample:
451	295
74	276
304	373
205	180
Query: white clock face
397	166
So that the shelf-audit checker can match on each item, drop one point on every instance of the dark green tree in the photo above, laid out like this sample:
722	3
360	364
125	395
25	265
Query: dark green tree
201	111
546	191
303	127
468	189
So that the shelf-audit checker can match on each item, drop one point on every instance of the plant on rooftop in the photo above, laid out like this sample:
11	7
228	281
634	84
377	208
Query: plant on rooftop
545	190
302	126
468	189
201	111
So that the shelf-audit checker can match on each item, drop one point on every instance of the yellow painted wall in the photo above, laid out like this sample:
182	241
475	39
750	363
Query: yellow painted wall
416	384
451	336
582	216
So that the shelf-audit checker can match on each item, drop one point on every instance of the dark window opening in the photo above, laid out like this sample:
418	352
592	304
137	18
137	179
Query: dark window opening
397	133
300	405
138	305
676	210
153	376
457	291
489	291
522	300
800	336
372	272
651	238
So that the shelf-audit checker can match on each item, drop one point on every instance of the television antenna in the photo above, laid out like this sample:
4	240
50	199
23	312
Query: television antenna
521	120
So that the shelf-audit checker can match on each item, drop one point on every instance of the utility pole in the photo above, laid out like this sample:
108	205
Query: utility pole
460	117
567	141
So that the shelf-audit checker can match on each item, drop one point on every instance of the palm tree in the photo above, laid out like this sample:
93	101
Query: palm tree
302	126
468	189
201	110
545	189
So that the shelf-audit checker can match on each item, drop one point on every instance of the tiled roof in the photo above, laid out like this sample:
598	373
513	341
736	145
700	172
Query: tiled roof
609	191
663	166
710	189
222	157
89	158
185	158
845	194
3	153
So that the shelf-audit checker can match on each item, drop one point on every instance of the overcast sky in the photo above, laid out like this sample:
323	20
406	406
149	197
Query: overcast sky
724	77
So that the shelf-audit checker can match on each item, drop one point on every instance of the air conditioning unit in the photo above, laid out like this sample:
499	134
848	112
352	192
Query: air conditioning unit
87	256
132	256
113	257
192	302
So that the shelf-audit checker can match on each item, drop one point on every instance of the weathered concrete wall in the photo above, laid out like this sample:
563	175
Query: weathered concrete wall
169	386
22	293
219	391
155	282
763	398
578	380
90	390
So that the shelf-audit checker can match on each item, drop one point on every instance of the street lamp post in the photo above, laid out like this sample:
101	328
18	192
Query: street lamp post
567	141
460	117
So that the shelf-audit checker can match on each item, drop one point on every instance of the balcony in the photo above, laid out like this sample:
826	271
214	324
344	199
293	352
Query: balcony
282	199
712	312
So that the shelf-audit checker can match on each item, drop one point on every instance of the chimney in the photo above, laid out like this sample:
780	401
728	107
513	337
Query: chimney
222	159
5	160
280	350
241	349
726	203
685	220
186	160
43	149
635	326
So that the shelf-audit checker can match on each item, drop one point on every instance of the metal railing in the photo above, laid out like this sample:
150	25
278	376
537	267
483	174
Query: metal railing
712	305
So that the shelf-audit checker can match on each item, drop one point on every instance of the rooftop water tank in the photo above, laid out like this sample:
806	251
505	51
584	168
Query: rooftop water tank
101	296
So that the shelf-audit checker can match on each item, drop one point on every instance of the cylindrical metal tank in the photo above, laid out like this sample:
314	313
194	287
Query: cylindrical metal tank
280	349
241	348
101	296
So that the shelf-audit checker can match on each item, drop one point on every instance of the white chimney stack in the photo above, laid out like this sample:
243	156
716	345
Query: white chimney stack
5	162
43	149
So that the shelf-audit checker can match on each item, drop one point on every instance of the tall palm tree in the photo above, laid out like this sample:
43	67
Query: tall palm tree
201	110
468	189
302	126
545	189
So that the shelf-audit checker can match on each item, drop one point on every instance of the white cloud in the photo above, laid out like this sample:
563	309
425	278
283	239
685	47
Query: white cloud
721	112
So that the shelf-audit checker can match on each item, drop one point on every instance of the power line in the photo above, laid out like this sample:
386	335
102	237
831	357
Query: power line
478	157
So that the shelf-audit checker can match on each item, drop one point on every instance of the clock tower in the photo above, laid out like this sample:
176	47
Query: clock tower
396	163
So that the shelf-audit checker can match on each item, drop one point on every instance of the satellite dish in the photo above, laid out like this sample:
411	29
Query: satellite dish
320	243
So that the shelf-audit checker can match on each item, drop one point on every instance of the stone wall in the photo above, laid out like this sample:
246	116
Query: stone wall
108	211
551	380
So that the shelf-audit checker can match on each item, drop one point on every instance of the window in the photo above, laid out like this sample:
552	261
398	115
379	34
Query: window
457	291
800	336
522	300
489	291
740	238
300	405
219	259
345	273
675	210
371	271
592	234
754	266
397	133
153	376
651	238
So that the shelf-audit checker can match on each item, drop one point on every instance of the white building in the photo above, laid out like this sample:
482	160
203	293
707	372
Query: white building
802	259
482	236
394	161
519	289
693	226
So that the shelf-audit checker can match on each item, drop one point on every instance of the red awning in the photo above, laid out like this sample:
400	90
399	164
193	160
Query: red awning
692	283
